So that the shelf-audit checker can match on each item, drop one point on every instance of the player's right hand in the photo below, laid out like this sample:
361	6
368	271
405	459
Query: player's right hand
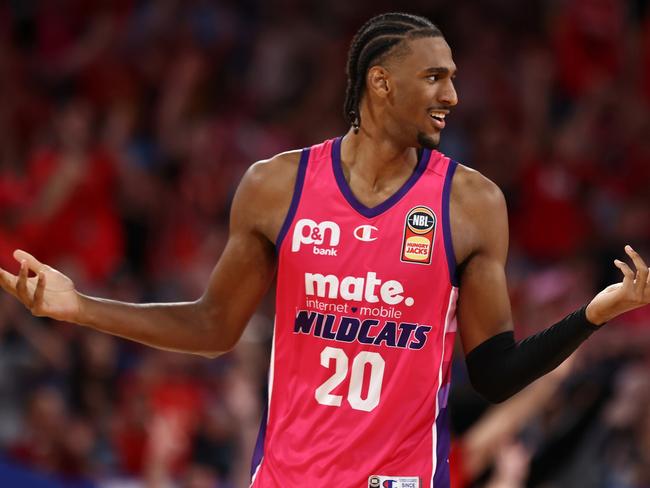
48	294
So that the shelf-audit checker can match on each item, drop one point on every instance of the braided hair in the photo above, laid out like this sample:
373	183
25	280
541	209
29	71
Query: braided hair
370	46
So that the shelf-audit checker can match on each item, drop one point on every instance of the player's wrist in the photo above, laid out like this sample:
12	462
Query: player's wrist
82	316
593	316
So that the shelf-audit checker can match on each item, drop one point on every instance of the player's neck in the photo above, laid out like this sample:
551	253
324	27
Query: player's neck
375	159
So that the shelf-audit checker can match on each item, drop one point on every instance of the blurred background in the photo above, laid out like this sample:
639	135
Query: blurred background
125	127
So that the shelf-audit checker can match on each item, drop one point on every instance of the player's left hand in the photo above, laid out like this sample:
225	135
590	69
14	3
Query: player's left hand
633	292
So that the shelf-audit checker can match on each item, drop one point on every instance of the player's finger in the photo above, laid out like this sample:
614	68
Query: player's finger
21	285
641	269
628	274
32	263
8	281
39	292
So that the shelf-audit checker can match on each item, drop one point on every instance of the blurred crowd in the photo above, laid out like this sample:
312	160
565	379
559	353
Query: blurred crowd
125	126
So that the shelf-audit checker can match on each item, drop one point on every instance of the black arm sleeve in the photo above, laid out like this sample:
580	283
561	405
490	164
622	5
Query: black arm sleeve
500	367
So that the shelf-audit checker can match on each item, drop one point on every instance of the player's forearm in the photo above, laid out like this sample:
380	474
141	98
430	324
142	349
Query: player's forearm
500	367
185	326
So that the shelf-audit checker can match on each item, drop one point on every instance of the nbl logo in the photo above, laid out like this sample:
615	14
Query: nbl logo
309	232
420	220
419	235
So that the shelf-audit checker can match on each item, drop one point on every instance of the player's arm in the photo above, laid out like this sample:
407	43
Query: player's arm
209	325
498	366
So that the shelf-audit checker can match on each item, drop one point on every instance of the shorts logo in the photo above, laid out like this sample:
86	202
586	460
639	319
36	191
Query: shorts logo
419	233
374	482
366	233
309	232
378	481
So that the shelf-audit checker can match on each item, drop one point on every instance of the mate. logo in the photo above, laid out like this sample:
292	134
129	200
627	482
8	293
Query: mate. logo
419	233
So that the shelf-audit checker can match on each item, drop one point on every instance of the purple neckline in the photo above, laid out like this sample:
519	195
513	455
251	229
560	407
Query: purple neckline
390	201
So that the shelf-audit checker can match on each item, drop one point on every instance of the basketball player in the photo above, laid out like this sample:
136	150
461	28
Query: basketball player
380	242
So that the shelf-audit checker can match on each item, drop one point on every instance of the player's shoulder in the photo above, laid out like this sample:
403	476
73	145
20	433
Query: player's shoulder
479	218
475	192
277	173
265	192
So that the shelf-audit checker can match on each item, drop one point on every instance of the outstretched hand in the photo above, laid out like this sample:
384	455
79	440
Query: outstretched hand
633	292
48	294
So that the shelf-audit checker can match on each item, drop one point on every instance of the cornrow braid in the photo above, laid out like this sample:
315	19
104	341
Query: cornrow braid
372	42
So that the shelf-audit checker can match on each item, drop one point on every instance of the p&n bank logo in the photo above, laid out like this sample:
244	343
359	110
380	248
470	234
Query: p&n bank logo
325	234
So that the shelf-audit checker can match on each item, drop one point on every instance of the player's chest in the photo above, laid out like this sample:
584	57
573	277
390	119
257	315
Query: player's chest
333	239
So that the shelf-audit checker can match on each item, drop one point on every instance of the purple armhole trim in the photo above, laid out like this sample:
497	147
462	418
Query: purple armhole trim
370	212
446	223
297	190
258	453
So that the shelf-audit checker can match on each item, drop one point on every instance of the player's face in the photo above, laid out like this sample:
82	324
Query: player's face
423	90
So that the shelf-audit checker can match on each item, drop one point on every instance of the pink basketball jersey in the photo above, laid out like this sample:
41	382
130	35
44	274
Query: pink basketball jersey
364	333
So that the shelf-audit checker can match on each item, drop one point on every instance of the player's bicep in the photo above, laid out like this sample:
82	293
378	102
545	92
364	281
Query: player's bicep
484	304
246	267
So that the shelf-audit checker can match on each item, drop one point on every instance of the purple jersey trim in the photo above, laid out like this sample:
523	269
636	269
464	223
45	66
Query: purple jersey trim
441	477
446	224
258	452
297	191
389	202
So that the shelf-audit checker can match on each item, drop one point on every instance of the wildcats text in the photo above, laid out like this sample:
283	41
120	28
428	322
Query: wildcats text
402	335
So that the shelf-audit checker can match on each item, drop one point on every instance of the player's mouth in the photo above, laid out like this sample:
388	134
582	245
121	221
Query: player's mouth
438	118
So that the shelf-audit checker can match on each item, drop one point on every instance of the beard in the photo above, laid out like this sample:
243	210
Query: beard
428	142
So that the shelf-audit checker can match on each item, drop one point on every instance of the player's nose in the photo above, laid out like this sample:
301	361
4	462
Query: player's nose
447	94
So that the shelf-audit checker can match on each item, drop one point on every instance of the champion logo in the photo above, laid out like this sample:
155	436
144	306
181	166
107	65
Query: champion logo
366	233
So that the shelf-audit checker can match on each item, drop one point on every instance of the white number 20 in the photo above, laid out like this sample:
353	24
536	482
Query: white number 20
323	392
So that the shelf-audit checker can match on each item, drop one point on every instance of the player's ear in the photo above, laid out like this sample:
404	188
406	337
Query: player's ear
378	81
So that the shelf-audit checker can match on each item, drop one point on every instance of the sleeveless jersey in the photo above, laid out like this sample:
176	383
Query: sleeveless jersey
364	332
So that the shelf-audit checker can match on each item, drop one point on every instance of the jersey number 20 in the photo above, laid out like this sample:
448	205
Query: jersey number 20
323	392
